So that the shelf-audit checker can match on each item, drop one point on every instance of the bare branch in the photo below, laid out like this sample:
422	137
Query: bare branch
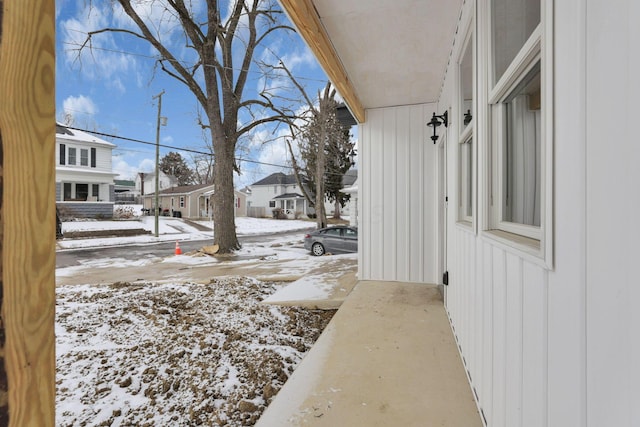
296	172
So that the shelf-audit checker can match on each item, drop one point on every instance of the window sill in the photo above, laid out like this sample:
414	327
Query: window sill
527	248
465	225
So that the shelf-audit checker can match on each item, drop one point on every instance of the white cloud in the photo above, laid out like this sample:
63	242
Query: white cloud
123	169
79	107
147	165
128	166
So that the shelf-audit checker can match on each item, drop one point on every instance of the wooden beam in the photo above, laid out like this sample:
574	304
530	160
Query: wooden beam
305	17
27	212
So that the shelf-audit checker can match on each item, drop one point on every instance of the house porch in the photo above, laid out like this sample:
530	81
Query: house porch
387	358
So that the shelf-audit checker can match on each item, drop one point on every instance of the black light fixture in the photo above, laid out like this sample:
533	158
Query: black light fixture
467	117
437	121
352	157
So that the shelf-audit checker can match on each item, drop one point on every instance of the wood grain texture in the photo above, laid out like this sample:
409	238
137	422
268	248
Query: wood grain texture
27	126
305	17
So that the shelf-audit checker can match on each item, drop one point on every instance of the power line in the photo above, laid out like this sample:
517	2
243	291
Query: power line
189	150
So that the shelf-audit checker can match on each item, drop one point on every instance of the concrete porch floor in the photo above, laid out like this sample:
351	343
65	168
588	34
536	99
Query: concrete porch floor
387	358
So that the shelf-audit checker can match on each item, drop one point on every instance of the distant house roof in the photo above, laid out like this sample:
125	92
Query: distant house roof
64	132
349	178
183	189
277	178
289	196
124	182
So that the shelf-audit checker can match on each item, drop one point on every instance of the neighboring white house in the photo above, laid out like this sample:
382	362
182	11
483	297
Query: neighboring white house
146	182
524	201
350	187
276	191
84	177
282	191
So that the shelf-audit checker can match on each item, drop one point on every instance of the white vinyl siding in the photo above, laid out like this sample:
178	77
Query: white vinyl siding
398	226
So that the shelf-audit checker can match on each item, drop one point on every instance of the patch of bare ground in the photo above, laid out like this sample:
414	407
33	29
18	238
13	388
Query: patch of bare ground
182	354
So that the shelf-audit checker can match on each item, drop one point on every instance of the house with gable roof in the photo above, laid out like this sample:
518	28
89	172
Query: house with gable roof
282	191
189	201
277	191
84	176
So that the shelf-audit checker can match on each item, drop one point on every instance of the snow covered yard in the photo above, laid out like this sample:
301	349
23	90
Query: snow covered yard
152	354
179	352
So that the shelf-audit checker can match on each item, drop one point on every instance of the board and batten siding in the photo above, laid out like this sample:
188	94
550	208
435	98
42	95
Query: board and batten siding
398	233
496	302
559	345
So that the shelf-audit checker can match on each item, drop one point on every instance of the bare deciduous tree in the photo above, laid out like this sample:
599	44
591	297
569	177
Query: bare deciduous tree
324	149
224	43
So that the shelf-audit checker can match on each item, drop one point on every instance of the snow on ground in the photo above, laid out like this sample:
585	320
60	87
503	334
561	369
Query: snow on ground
177	352
169	229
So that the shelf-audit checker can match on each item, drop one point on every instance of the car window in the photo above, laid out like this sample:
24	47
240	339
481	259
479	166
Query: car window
350	232
335	232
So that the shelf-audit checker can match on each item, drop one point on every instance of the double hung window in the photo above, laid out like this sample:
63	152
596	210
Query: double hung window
84	157
466	177
72	156
517	106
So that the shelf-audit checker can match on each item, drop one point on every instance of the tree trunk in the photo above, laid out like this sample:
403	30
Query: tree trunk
224	229
336	210
321	215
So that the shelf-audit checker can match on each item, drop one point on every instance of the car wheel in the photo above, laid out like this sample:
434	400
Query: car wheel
317	249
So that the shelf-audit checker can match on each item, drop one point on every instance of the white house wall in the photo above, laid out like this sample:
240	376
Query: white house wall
612	156
398	233
555	345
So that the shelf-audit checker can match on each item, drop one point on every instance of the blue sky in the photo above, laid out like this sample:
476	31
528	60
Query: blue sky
111	88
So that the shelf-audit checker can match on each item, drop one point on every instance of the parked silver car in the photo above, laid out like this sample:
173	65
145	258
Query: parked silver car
340	238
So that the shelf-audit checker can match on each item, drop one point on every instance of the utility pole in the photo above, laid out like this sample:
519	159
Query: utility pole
157	198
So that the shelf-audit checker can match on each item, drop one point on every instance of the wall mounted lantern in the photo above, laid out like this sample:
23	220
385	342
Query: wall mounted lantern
467	117
352	157
437	121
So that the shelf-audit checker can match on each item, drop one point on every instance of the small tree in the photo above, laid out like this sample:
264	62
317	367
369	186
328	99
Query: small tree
174	164
324	145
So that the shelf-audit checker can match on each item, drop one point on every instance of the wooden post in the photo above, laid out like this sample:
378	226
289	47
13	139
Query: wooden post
27	212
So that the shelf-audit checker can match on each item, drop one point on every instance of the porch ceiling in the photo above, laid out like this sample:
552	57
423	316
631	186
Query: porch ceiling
379	53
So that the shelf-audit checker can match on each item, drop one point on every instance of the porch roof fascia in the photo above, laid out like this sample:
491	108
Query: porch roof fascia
305	18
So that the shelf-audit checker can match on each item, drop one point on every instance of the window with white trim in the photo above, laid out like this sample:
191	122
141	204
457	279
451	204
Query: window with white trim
516	106
466	178
72	156
84	157
182	201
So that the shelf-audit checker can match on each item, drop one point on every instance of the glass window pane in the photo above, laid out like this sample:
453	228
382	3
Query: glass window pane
521	202
513	23
72	156
469	180
466	84
466	179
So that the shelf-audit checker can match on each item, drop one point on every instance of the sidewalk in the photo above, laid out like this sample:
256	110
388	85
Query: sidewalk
388	358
